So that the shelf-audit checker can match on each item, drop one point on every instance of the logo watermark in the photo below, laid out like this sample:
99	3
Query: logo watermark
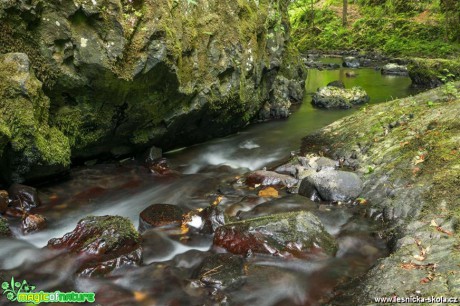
22	292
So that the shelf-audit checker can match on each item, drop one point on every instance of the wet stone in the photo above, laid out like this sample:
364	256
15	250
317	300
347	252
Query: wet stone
3	201
332	185
105	243
159	215
24	197
221	271
160	166
33	223
286	235
286	204
270	178
206	220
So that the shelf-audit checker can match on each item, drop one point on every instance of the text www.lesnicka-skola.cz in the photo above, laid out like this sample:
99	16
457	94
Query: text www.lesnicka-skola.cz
417	299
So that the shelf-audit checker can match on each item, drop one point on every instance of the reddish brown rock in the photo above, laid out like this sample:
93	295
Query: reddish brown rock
33	223
24	197
160	166
159	215
287	234
270	178
3	201
105	243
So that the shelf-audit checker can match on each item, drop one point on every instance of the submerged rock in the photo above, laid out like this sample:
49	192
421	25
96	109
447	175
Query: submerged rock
33	223
332	185
337	83
24	197
287	234
105	243
334	97
221	271
158	215
270	178
394	69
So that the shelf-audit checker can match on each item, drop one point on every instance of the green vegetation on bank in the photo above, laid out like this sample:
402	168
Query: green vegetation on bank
426	28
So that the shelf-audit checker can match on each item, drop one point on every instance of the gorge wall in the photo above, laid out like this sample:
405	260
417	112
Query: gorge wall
85	78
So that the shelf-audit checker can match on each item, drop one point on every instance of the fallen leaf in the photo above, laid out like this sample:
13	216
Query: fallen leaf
403	144
424	280
433	223
412	266
419	257
217	200
140	296
361	201
269	192
440	229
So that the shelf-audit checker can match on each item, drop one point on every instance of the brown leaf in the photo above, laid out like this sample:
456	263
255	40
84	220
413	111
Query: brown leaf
440	229
403	144
424	280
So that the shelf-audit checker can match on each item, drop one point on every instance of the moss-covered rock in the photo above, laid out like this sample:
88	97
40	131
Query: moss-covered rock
142	73
331	97
4	228
433	72
408	154
286	234
105	242
29	146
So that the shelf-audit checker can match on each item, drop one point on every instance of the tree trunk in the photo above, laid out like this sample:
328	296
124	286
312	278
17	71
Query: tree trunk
345	13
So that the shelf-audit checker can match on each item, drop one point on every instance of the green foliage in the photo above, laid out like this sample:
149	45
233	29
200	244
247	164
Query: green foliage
388	26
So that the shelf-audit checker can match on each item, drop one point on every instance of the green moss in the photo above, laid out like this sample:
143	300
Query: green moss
434	71
114	229
24	120
4	228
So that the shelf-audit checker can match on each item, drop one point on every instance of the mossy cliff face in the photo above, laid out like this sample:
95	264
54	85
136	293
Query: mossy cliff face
27	141
123	75
409	158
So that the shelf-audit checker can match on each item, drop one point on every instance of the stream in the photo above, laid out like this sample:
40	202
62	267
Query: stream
207	169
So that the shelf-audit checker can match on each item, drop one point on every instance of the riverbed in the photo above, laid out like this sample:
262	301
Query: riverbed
203	172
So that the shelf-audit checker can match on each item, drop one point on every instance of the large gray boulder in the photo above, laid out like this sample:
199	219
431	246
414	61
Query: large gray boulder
331	97
351	62
332	185
394	69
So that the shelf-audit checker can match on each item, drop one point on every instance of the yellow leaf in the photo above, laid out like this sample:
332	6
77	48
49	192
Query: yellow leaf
140	296
269	192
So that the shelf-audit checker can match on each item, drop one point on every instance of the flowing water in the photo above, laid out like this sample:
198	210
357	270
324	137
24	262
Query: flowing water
166	277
